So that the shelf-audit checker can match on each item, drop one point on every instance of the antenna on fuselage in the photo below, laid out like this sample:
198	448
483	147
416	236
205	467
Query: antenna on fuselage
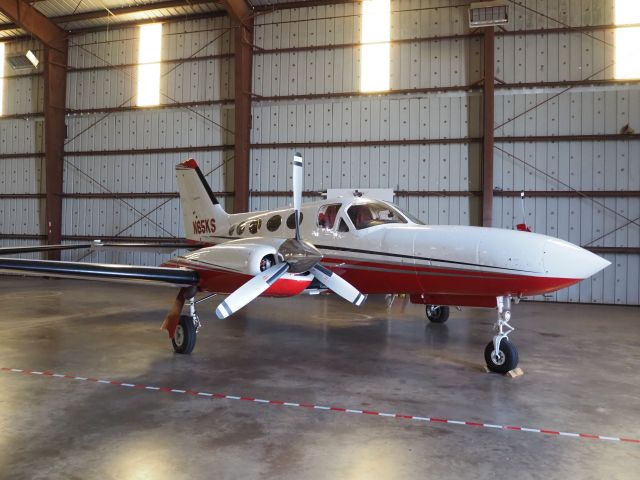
523	226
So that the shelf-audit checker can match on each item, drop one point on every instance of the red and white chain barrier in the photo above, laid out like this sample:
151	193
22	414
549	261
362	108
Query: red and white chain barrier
311	406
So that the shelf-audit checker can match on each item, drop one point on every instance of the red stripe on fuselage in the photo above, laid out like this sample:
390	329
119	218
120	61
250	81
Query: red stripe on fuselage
377	277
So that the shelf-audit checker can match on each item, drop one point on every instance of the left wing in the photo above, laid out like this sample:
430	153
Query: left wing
177	277
99	244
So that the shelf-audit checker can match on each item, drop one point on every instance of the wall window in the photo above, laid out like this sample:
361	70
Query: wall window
627	39
375	48
148	65
2	61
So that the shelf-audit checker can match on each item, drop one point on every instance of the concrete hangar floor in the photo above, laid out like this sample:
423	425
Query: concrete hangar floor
309	388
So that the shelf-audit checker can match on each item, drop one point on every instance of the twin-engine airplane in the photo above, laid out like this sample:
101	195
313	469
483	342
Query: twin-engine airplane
350	246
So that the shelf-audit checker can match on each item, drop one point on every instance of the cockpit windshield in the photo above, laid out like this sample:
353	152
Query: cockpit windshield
411	218
371	214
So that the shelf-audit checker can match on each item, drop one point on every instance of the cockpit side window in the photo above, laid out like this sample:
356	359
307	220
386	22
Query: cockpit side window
371	214
327	215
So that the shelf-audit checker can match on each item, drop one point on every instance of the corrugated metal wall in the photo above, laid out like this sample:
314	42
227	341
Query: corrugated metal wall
197	79
21	146
421	140
299	61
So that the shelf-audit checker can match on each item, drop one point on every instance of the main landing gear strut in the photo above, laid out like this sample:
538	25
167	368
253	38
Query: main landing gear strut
500	354
184	339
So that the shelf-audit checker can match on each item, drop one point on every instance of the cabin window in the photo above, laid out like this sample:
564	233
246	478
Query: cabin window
343	226
327	215
240	229
255	225
291	220
233	227
274	223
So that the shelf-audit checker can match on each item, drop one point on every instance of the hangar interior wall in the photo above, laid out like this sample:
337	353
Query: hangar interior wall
119	162
423	138
21	161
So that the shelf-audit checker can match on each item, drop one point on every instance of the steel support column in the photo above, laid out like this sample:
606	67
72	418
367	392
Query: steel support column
55	44
55	78
243	73
488	121
242	15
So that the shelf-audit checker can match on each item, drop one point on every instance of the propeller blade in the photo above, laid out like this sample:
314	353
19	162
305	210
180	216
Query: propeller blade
338	285
297	190
250	290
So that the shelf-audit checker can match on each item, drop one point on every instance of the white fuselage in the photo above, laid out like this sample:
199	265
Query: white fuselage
408	257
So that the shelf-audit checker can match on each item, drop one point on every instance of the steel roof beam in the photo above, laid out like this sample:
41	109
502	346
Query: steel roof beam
114	12
28	18
239	10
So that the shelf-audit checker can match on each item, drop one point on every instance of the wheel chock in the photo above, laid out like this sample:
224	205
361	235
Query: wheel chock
515	373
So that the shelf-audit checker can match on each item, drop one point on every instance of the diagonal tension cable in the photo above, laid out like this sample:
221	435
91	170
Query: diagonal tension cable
142	215
86	254
560	182
560	22
570	87
612	231
224	162
125	102
548	99
628	221
79	170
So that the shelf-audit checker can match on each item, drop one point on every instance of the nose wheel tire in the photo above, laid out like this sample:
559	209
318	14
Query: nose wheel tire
437	313
184	339
506	358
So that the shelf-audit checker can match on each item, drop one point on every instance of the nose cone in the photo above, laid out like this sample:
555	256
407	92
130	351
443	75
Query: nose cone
565	260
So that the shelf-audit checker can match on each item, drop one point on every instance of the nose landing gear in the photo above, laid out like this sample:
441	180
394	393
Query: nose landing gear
500	354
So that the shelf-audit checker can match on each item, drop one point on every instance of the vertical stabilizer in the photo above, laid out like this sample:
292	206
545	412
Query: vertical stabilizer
201	212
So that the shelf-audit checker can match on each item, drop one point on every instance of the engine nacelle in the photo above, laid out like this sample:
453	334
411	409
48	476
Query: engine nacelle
246	255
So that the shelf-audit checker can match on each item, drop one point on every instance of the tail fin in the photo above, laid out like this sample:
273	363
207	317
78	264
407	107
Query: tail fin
201	212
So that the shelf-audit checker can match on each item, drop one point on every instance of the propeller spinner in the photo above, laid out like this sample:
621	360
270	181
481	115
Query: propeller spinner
298	256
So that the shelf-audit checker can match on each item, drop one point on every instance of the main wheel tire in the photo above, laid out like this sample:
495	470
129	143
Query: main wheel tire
507	359
437	313
184	339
